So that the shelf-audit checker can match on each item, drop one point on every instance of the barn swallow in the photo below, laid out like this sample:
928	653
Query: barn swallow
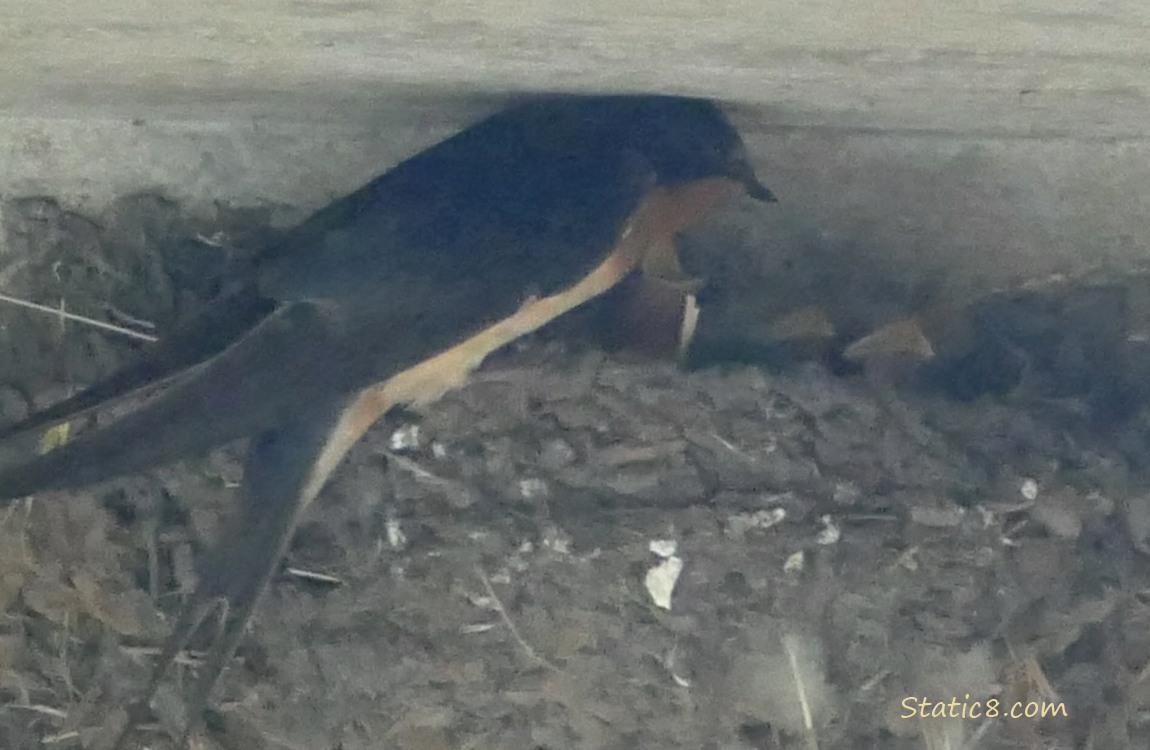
391	296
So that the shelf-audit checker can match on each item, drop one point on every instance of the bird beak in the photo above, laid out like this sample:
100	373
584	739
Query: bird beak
758	190
742	171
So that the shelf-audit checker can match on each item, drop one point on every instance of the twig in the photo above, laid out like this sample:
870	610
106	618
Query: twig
131	320
184	658
311	575
983	728
38	708
78	318
791	647
511	625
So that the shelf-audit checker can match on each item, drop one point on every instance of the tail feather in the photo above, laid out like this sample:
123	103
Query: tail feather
256	384
203	336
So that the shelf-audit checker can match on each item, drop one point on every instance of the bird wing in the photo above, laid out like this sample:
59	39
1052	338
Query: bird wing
508	193
316	348
203	335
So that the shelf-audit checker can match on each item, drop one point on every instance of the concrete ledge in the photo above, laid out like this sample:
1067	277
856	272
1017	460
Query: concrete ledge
1023	67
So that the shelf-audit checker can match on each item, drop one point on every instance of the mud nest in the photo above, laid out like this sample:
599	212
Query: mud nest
589	550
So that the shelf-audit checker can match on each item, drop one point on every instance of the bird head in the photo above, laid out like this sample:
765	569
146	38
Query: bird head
686	139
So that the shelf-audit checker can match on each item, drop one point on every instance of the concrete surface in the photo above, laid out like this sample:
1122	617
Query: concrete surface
1018	66
988	139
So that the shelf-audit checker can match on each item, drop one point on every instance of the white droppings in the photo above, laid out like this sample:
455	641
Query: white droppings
830	533
739	524
795	563
661	579
406	438
396	539
533	488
